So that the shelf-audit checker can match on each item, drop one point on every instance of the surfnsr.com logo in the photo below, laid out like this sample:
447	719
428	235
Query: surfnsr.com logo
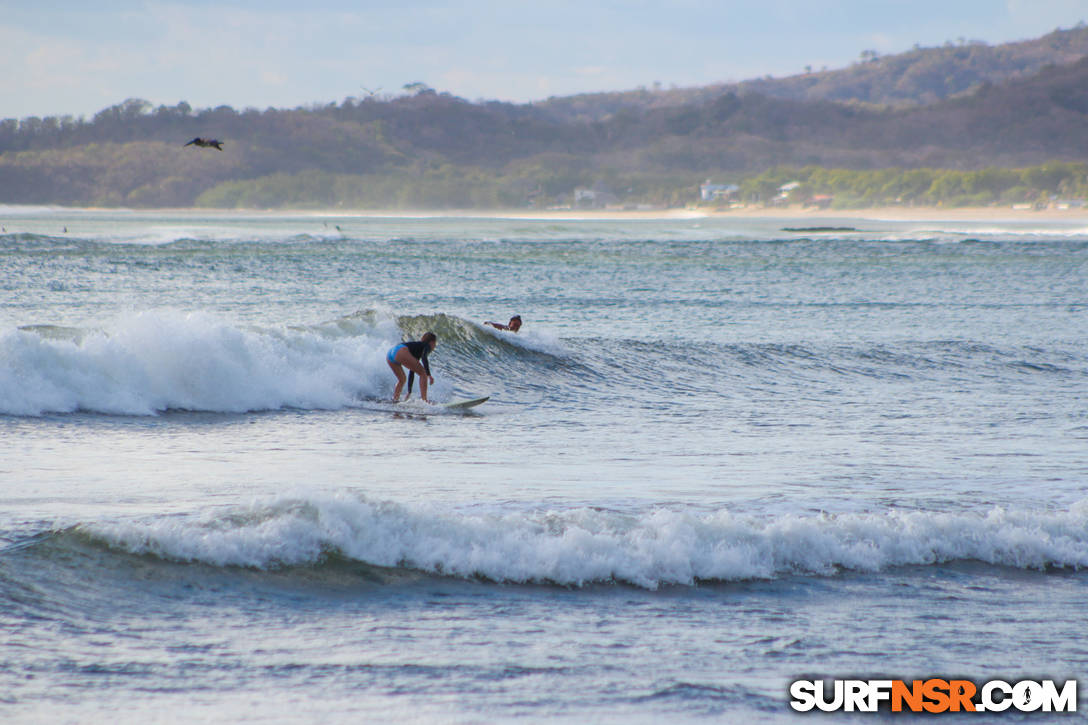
933	695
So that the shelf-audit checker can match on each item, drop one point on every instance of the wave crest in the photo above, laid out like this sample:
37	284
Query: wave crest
162	360
165	360
582	546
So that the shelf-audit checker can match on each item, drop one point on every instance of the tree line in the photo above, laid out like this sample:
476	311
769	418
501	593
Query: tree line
852	188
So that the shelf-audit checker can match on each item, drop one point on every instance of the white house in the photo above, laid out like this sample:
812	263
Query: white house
714	192
784	192
594	198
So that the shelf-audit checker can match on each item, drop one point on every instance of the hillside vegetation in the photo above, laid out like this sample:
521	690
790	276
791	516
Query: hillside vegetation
430	149
918	77
851	189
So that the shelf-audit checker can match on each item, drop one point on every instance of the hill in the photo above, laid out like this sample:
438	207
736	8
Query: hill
432	149
918	77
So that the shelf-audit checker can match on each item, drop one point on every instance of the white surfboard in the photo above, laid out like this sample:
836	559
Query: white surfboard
462	404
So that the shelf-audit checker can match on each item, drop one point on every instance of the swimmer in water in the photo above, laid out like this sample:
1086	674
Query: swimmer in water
513	326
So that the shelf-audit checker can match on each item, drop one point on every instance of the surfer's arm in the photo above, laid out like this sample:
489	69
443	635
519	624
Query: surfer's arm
424	366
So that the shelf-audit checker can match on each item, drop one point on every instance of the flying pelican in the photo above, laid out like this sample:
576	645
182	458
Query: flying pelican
205	143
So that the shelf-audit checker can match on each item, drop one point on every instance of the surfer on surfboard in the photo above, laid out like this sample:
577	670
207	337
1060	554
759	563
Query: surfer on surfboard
412	355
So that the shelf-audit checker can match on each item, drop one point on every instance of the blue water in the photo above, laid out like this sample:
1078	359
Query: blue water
718	457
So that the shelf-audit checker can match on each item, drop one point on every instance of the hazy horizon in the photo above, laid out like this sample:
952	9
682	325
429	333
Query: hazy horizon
77	60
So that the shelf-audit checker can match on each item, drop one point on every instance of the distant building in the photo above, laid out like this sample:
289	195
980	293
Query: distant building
594	199
784	192
718	192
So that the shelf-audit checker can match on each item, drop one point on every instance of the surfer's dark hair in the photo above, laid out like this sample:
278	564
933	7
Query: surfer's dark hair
429	337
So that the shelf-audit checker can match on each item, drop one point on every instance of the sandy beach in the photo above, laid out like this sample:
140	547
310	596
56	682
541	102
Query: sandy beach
804	216
898	213
801	214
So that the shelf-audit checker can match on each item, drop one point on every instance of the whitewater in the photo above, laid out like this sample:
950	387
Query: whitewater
719	457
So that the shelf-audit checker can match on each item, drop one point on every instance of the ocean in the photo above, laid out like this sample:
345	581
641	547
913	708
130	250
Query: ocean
718	457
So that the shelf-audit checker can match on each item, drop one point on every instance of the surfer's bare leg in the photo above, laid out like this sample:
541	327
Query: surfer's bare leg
406	359
399	372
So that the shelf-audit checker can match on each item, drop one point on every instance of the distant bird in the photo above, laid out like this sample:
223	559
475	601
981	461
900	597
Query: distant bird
205	143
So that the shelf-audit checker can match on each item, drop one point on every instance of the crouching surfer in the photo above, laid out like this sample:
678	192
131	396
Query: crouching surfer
412	355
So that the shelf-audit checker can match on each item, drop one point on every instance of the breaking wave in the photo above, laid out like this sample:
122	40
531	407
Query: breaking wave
576	547
163	360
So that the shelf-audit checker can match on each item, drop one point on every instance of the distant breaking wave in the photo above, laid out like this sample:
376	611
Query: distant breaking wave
582	546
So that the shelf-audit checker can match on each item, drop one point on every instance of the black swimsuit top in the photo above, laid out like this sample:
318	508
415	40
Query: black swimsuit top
420	350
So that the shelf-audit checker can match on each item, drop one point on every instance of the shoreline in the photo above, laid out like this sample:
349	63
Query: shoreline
909	214
817	217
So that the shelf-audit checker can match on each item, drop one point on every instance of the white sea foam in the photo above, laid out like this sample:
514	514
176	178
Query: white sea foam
1008	232
162	360
534	340
578	546
29	209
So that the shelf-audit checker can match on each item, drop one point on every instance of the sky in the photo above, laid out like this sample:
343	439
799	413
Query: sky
72	57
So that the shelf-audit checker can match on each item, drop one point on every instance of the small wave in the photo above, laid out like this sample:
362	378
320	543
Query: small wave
538	341
478	336
582	546
649	365
30	242
31	209
906	360
151	239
